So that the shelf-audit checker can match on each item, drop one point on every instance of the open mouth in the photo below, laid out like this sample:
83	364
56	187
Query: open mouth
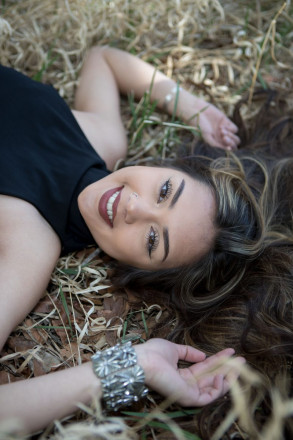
108	205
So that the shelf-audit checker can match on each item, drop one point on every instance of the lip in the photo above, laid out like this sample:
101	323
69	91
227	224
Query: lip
103	205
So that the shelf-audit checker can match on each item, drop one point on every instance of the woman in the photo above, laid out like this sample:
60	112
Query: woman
46	210
98	114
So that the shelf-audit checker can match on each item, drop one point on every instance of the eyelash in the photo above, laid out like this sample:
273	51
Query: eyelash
168	191
152	241
153	236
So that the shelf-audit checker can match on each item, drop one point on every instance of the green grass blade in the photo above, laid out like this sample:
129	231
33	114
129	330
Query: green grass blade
262	81
145	324
65	306
172	414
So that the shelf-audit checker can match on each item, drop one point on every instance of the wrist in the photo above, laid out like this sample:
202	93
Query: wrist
143	359
171	99
187	106
122	378
194	110
91	383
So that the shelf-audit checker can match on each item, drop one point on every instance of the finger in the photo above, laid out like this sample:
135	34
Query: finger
230	125
235	369
190	354
230	370
213	142
202	393
232	375
234	138
230	143
205	389
210	393
206	382
212	362
230	139
221	356
227	142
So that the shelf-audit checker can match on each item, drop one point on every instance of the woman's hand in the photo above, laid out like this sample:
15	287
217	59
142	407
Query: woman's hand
199	384
215	127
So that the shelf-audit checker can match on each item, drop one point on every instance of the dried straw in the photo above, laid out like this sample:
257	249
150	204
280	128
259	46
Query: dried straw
213	48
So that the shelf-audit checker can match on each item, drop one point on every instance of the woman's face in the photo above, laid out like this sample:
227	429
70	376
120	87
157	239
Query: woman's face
152	218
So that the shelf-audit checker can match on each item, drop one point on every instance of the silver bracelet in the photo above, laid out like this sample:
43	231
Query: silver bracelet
168	98
121	378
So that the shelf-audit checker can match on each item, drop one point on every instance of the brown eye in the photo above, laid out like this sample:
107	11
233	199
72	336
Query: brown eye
152	241
165	191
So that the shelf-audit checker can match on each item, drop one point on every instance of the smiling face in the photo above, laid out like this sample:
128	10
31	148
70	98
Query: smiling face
149	217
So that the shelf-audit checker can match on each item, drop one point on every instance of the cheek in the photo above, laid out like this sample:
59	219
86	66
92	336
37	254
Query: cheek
121	245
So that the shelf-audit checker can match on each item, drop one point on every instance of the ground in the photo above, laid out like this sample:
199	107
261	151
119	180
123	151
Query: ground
219	50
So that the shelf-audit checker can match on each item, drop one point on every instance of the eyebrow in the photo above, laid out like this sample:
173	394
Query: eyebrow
166	243
165	230
177	194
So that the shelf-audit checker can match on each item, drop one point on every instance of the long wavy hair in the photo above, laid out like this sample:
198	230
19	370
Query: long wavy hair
240	293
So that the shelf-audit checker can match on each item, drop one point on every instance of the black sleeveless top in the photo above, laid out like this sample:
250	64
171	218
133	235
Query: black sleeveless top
45	157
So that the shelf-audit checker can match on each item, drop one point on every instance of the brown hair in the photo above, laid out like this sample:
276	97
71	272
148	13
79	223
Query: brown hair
240	294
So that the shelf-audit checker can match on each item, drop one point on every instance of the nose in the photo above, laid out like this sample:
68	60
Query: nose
137	209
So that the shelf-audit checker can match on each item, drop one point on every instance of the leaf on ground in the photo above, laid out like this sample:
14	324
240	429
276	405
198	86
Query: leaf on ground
61	331
44	363
37	334
70	351
20	343
45	305
117	305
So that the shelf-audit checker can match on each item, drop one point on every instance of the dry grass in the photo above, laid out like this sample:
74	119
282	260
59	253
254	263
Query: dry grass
216	49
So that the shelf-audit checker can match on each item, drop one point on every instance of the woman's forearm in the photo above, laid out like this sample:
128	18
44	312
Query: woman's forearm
38	401
133	75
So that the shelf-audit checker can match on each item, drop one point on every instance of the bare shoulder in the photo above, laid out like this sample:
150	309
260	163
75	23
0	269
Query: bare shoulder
107	137
19	218
29	249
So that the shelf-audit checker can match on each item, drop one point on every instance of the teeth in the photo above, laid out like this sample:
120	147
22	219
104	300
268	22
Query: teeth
110	205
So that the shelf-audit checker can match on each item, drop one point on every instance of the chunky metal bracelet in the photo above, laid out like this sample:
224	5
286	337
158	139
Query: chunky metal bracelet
121	378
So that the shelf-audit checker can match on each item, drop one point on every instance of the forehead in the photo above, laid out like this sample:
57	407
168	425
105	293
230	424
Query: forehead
150	171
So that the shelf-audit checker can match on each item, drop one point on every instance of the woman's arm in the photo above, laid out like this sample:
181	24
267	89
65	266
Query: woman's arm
37	402
108	70
29	249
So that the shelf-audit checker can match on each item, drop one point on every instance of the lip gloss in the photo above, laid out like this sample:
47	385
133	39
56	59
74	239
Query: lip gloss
103	204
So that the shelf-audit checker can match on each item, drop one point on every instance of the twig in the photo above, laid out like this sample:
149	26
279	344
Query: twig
258	62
